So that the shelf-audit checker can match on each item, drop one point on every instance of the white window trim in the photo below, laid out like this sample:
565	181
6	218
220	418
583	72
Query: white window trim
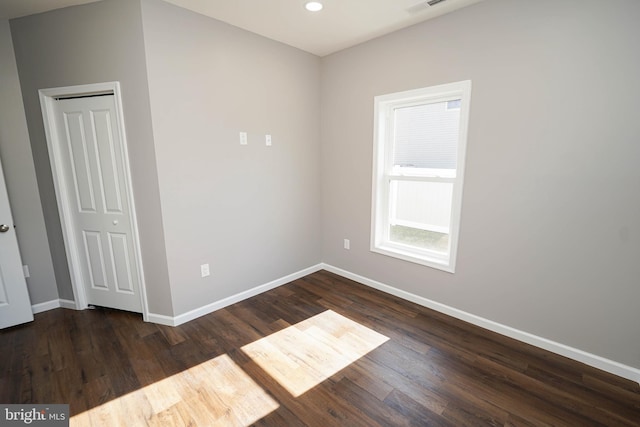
383	173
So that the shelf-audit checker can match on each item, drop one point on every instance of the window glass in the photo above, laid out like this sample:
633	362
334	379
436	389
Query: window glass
426	136
419	151
420	214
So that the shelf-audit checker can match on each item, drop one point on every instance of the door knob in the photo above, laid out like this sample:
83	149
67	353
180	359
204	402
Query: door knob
4	228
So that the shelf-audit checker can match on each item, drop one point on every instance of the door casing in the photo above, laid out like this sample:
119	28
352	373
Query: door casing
47	101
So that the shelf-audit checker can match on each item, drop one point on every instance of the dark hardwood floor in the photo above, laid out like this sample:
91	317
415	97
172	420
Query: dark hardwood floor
373	360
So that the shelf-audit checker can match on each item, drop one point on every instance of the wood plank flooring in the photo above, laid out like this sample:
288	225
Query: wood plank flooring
320	351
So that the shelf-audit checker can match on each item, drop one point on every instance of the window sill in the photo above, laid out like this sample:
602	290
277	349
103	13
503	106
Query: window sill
417	257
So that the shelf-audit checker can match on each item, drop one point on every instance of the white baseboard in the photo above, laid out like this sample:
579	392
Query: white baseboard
45	306
596	361
217	305
54	303
66	303
590	359
161	319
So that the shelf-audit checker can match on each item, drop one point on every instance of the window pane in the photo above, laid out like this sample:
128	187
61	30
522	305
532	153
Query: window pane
423	239
426	136
452	105
420	214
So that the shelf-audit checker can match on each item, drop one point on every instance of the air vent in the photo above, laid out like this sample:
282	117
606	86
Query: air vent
422	6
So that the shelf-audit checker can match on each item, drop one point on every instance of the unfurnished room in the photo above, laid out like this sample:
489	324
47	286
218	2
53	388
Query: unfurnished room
320	213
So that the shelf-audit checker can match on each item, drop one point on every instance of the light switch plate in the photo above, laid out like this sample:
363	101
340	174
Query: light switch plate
204	270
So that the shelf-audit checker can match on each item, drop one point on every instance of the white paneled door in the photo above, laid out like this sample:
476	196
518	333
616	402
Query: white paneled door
95	180
15	305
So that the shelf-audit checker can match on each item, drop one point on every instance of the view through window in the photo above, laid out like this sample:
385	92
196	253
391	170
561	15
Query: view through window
419	161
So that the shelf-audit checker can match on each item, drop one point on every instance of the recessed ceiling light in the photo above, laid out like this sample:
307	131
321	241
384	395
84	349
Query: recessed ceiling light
313	6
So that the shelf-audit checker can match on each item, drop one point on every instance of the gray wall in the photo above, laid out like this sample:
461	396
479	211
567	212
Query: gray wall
550	232
94	43
20	177
252	212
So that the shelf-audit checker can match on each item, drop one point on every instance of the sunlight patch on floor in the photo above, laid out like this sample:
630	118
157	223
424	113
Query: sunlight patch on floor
307	353
214	393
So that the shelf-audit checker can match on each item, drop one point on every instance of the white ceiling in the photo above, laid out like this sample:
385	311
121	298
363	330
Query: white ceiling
341	24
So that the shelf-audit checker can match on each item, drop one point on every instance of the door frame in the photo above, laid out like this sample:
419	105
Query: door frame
48	98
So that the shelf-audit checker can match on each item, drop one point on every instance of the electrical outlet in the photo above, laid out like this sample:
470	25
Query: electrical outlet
267	140
25	269
204	270
347	244
243	138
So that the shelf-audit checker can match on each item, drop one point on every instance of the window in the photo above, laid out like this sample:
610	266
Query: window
420	139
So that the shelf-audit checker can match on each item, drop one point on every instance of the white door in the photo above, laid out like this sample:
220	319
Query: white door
15	305
95	180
